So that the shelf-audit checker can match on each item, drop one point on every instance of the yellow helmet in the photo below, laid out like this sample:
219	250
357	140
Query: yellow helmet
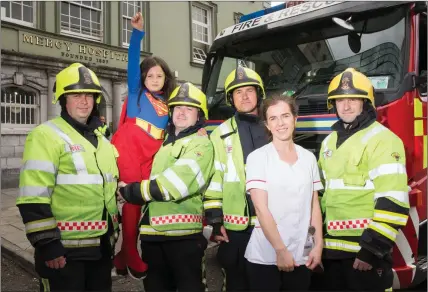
350	84
243	77
188	94
77	78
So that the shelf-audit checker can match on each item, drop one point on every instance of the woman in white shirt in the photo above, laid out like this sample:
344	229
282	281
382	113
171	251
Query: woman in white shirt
283	180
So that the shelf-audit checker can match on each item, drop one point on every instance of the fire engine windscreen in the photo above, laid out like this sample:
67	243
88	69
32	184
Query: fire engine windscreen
303	59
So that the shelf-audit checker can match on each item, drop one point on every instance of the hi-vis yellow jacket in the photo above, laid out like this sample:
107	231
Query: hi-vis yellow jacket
366	194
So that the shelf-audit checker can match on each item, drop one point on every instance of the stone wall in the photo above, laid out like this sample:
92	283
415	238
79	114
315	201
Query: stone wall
12	147
38	73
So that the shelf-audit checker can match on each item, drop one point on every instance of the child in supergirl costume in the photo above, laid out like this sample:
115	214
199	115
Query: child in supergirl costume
139	136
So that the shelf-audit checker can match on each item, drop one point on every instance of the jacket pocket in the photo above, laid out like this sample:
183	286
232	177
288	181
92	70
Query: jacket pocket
354	180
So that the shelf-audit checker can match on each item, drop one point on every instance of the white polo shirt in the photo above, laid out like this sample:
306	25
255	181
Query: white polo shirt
290	189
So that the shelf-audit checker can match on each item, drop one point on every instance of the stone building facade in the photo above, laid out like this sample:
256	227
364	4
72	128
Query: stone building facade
41	38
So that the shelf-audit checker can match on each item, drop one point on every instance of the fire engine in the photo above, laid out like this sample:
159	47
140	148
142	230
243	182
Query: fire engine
298	49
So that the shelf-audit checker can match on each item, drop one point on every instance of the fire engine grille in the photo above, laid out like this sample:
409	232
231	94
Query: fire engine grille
313	109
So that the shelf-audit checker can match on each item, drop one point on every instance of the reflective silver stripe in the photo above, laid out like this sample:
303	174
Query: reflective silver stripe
79	163
389	217
35	191
219	166
150	230
166	194
341	245
81	242
231	175
79	179
195	168
384	230
41	165
109	177
215	187
373	132
339	184
170	175
185	141
213	204
398	195
145	193
386	169
40	225
324	143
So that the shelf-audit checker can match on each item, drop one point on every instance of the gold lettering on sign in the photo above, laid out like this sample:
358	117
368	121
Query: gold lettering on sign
40	41
75	51
68	46
28	39
49	43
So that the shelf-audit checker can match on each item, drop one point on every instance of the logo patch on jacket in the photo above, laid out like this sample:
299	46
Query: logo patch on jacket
396	156
327	153
229	149
74	148
160	107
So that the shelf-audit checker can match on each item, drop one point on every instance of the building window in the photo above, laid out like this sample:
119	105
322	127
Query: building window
236	17
82	19
19	107
129	8
20	12
201	32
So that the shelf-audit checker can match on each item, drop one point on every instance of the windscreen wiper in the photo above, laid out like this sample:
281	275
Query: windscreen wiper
320	80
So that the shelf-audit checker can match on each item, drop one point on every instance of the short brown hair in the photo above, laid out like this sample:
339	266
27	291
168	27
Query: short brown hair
275	99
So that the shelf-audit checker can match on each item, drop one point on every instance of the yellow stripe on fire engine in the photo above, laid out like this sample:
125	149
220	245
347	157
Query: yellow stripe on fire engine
418	108
315	124
419	128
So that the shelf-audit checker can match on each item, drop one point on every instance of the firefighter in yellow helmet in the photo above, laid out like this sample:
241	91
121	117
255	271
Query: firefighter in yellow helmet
67	190
171	228
228	209
365	202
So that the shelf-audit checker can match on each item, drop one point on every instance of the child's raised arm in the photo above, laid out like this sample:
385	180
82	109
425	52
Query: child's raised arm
134	74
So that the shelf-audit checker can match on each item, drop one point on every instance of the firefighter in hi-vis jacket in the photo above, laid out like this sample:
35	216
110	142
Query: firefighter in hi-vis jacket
172	243
227	206
366	200
67	190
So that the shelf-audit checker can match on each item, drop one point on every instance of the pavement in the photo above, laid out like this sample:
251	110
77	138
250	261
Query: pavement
14	243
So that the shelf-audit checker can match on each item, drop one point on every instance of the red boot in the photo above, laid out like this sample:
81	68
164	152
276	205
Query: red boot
119	263
128	258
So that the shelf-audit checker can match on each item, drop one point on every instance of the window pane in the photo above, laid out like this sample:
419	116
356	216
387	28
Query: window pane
65	8
97	27
95	16
75	11
75	22
86	14
28	14
28	3
87	3
16	11
128	33
64	20
6	4
124	8
96	4
85	24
